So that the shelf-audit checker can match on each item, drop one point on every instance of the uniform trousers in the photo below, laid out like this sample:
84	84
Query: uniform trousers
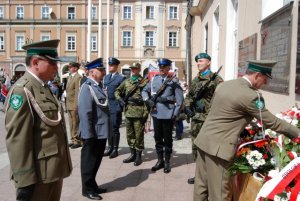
212	181
163	135
74	124
195	129
135	133
47	192
91	157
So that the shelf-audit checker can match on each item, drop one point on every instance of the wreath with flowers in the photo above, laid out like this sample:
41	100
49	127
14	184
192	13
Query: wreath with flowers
271	157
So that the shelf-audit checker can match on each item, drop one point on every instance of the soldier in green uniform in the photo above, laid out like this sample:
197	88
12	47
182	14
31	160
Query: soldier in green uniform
36	138
136	113
197	110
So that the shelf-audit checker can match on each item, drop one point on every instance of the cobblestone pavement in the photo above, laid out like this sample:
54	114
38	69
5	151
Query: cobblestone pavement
124	182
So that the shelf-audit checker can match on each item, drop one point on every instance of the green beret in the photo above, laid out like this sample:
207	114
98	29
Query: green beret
46	49
262	66
202	56
135	65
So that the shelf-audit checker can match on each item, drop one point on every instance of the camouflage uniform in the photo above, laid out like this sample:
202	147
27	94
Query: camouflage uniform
135	112
202	106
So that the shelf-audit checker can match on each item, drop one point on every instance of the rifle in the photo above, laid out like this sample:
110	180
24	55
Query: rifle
160	91
133	89
203	89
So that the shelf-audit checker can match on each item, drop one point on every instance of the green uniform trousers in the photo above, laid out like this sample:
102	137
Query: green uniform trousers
212	181
74	124
47	192
135	133
195	129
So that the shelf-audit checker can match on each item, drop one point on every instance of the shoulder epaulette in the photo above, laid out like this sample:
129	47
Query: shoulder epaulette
22	83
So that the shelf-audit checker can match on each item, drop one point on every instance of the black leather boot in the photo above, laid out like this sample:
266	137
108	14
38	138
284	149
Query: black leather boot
167	166
160	162
131	158
115	152
138	159
108	151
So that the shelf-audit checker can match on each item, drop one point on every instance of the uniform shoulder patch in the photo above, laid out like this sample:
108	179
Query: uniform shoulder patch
260	104
16	101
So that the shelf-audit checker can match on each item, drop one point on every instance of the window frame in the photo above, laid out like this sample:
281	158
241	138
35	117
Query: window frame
45	34
17	46
94	12
71	16
125	40
171	16
172	38
94	42
2	42
1	12
73	42
123	12
43	15
153	13
149	39
17	14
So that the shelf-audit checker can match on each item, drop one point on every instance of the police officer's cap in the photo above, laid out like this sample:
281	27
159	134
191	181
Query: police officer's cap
164	62
113	61
202	56
46	49
97	63
135	65
74	64
262	66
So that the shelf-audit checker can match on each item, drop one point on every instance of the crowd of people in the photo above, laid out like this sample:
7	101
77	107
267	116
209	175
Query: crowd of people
37	141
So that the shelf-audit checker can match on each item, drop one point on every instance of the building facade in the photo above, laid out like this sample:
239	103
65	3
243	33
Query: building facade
233	32
139	31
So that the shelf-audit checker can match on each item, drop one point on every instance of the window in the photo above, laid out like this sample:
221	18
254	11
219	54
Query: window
127	12
149	38
1	12
172	39
149	12
45	36
71	13
45	12
71	41
19	42
173	13
126	38
20	12
94	42
1	42
94	13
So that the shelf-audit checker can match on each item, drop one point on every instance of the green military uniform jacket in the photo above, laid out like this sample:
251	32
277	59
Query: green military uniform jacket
38	153
72	90
203	104
234	105
133	110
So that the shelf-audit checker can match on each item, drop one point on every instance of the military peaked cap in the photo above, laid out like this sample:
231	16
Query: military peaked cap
113	61
46	49
202	56
135	65
97	63
164	62
74	64
262	66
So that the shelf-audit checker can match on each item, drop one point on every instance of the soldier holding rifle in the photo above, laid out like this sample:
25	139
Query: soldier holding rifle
197	101
164	96
136	113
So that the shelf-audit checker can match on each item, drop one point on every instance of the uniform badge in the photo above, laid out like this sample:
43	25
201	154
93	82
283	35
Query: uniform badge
16	101
260	104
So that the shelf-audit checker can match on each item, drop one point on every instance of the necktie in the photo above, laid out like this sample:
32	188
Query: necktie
110	76
100	85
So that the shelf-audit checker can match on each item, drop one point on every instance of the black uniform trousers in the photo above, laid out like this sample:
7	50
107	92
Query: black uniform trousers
116	120
91	157
163	135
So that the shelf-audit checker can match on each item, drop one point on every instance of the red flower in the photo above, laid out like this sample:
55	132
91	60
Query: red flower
260	144
265	156
297	140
